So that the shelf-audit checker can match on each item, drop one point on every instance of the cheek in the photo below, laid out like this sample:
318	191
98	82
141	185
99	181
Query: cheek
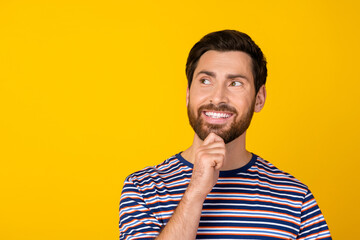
198	98
193	108
243	106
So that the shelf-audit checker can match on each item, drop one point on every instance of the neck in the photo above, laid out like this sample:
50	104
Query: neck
236	154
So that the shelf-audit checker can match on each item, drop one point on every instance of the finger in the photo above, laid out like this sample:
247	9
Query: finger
216	149
212	137
217	161
214	145
212	159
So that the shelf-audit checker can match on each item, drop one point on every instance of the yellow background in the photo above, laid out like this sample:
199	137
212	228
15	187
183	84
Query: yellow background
91	91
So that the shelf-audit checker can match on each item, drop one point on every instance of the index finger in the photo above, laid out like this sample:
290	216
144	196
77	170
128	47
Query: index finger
212	137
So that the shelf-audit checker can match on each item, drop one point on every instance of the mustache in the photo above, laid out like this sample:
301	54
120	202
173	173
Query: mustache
222	107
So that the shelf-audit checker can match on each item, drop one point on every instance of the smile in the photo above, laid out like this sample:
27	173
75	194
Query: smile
217	115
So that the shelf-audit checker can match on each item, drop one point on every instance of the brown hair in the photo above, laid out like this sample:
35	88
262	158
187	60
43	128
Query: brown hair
229	40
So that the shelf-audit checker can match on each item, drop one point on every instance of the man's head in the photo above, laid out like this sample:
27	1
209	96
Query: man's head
228	40
223	92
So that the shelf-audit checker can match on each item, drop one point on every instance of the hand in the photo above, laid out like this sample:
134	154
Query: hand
184	222
209	158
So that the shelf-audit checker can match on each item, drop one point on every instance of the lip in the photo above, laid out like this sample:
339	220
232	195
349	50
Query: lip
219	117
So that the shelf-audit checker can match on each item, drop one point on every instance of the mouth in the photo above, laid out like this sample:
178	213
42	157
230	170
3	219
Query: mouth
217	114
215	117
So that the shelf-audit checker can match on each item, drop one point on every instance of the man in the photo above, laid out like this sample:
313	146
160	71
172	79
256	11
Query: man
216	189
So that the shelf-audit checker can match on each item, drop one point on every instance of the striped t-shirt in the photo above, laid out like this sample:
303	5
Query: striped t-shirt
256	201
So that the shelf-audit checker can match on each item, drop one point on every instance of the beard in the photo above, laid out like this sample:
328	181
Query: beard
228	134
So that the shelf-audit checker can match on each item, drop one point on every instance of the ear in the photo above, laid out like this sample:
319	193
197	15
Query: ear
260	99
187	96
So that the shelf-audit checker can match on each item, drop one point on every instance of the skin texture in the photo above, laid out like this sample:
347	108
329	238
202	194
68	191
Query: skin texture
220	78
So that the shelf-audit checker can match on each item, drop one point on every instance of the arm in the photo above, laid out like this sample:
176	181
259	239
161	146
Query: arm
136	220
313	224
184	222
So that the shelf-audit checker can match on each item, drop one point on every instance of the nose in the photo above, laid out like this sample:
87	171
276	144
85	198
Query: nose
219	95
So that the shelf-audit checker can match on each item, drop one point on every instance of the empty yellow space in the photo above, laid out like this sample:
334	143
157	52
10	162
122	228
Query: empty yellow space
91	91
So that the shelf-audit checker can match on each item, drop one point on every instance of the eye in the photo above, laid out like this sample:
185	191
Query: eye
205	81
236	83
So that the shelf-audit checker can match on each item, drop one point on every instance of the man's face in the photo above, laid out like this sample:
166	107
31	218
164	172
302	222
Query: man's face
221	98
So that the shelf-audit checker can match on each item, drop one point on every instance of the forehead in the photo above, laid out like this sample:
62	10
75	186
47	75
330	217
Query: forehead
229	62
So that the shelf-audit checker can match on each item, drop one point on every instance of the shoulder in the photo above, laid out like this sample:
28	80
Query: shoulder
277	176
157	173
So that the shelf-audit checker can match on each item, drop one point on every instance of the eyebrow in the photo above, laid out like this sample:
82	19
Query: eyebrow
231	76
211	74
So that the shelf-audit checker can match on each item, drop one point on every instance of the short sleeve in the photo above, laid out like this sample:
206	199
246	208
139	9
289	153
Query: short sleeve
136	220
313	225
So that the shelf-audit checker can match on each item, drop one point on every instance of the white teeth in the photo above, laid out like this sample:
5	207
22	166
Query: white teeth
217	115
